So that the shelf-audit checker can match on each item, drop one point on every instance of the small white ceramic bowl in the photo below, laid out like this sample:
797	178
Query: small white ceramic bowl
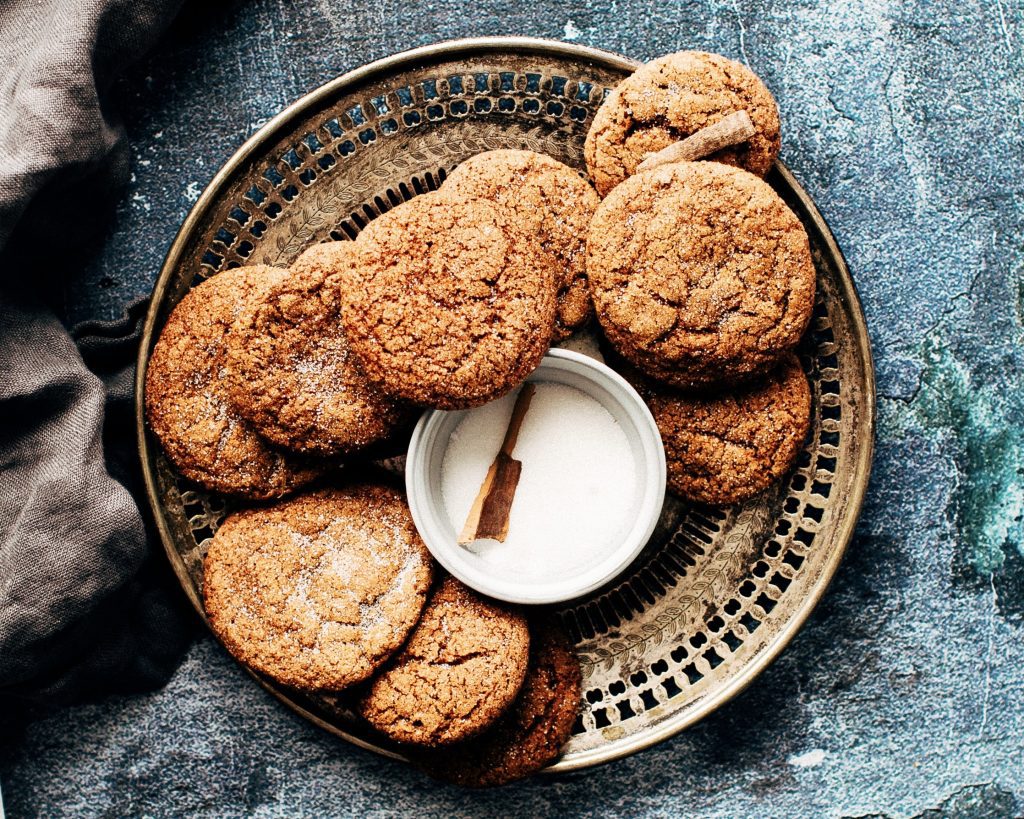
423	484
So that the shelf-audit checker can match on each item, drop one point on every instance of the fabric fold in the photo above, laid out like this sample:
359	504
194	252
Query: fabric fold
88	605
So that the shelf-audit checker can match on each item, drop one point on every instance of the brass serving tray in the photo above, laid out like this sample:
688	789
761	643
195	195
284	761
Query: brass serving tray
718	593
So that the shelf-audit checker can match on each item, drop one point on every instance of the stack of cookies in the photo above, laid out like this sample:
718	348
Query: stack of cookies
701	276
265	380
334	591
262	378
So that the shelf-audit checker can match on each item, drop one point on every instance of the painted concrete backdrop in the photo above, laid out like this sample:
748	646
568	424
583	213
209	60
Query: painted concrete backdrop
903	693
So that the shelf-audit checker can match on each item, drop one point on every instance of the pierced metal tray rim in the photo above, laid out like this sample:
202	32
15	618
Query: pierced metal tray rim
266	135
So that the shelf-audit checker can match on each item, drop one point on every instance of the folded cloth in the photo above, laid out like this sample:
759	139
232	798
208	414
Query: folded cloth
87	605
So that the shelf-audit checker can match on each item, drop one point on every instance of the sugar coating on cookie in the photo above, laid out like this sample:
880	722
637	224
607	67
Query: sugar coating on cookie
671	98
291	373
448	303
187	403
317	591
551	201
460	670
700	273
726	447
533	731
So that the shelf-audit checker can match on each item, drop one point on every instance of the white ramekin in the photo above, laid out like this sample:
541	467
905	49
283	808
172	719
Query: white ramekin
423	485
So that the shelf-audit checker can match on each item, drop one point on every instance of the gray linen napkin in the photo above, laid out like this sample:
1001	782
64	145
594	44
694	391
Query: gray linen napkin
86	606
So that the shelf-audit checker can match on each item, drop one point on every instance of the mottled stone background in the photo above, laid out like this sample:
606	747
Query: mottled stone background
903	693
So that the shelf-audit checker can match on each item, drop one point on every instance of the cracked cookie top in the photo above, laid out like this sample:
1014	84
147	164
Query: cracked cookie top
291	373
187	403
461	669
671	98
700	273
532	732
448	304
727	447
551	201
319	590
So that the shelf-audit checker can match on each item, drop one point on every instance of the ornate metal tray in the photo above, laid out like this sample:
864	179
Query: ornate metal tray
717	593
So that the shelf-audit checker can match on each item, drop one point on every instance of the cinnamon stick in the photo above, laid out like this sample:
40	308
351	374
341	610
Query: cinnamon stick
489	515
732	130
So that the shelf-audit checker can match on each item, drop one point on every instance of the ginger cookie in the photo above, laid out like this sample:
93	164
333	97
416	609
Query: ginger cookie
460	670
448	303
291	373
725	447
551	201
669	99
700	273
531	733
317	591
187	403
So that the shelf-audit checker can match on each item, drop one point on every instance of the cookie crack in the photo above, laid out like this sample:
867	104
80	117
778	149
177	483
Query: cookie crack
660	121
724	438
460	660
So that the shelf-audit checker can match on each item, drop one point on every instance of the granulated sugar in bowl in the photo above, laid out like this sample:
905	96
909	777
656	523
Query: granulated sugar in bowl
590	490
